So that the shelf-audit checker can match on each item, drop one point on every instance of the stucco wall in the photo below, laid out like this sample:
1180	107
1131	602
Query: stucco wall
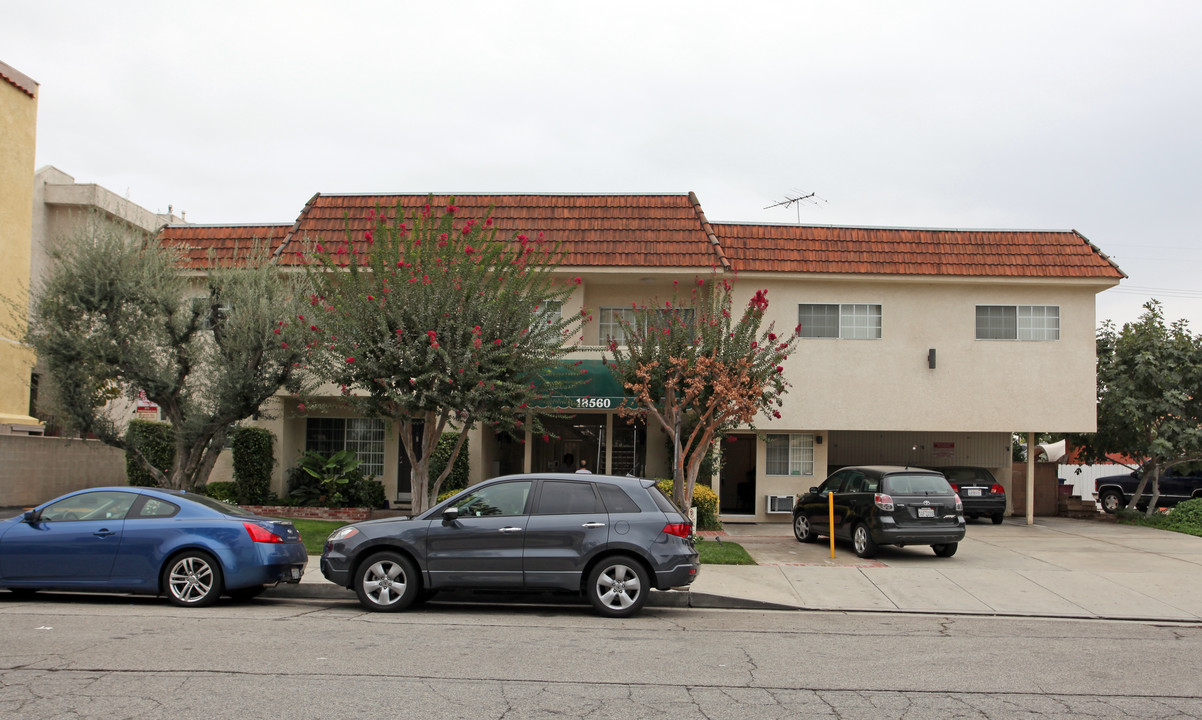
37	469
976	386
18	125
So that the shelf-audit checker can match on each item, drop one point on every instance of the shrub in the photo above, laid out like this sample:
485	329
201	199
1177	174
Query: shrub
253	463
157	442
704	499
223	491
318	481
460	471
365	492
1188	513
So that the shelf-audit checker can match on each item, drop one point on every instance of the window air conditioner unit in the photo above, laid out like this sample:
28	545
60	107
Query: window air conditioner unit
781	503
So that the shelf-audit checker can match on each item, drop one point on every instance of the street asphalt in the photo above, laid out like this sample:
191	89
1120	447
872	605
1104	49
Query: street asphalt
1058	567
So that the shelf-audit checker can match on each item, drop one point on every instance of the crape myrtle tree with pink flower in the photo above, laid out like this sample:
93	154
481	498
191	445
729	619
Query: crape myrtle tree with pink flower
434	322
699	370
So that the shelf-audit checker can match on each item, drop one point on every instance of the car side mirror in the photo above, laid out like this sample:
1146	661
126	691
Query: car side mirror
450	515
32	516
813	491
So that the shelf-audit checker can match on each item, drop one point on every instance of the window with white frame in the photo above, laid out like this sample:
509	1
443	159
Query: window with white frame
845	321
365	436
549	312
1018	322
790	454
611	321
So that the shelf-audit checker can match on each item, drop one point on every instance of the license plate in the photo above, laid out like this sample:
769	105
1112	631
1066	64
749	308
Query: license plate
926	512
974	492
296	573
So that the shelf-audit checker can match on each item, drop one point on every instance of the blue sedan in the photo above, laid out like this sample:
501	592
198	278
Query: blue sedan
191	548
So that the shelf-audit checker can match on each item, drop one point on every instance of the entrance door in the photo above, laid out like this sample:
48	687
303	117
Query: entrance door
737	477
570	439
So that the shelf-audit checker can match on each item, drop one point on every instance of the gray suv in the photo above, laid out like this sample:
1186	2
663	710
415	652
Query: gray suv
611	538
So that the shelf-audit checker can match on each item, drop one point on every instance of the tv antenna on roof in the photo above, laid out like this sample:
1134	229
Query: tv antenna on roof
810	199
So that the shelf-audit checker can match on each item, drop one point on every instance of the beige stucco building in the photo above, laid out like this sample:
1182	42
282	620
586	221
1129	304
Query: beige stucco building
927	347
18	141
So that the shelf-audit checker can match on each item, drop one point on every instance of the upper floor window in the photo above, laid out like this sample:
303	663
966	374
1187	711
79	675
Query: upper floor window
1018	322
613	321
846	321
549	312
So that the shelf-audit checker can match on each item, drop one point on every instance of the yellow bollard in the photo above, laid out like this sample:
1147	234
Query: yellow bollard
830	503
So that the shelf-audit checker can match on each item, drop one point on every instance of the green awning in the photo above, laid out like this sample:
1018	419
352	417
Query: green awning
585	385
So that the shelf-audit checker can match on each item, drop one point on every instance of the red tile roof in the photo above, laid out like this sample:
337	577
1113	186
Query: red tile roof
671	231
207	246
18	79
596	230
896	251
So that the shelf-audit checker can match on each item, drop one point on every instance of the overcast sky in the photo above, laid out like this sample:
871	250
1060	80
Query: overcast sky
1023	115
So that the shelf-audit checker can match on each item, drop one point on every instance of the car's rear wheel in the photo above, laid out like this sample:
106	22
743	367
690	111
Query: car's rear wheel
997	519
247	593
192	579
945	549
861	540
617	587
802	530
387	582
1111	500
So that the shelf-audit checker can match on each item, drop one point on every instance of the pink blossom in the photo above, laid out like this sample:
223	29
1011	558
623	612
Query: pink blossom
370	298
350	360
319	248
451	209
300	407
276	331
284	345
367	236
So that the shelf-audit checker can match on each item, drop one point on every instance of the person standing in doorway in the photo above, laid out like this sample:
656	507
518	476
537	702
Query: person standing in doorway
584	467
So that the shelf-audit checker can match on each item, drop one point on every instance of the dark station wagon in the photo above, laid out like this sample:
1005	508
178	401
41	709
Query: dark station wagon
883	505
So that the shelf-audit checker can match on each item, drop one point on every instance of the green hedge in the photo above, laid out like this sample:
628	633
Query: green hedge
704	499
157	442
460	471
254	460
223	491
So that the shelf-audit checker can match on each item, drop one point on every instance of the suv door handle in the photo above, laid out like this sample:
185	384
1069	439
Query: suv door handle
510	529
103	532
593	525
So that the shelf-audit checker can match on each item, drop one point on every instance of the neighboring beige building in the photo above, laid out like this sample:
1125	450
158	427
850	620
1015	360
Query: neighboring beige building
18	141
63	208
927	347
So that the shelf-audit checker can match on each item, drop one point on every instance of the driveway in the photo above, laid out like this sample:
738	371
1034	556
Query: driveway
1058	567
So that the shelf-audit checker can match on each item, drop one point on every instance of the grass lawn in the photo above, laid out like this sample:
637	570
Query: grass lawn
315	532
713	552
1160	521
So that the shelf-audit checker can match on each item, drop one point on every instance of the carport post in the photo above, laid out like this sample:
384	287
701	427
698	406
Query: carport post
1030	478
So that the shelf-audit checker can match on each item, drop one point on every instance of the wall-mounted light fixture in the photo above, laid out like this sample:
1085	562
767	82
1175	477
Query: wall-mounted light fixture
931	358
817	439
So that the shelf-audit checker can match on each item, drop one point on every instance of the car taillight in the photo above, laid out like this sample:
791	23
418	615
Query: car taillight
258	533
959	504
683	530
884	502
955	487
997	489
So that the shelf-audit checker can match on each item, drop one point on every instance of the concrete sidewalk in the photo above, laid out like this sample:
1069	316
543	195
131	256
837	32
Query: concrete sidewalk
1056	568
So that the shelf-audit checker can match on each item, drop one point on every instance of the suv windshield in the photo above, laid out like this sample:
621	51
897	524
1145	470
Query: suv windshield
916	485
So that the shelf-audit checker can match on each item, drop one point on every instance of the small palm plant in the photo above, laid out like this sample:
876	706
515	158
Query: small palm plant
333	472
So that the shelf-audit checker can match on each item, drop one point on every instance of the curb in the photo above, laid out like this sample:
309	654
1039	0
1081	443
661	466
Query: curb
658	598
